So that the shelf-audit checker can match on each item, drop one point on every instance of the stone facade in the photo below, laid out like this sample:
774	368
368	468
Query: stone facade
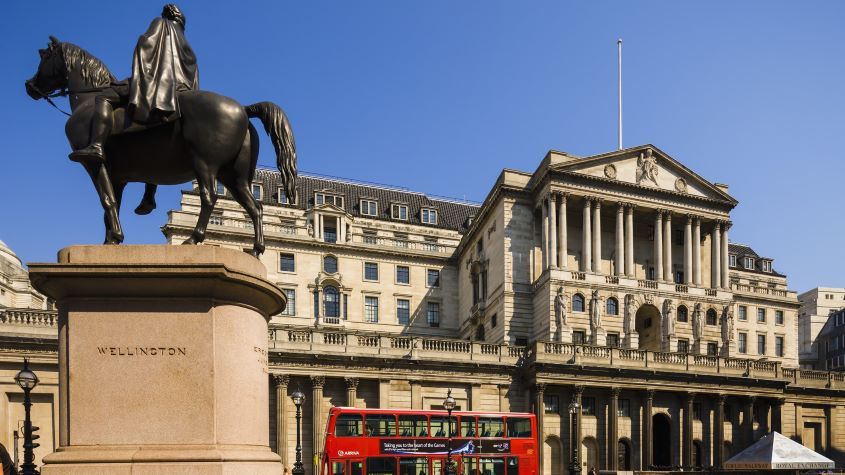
607	280
816	307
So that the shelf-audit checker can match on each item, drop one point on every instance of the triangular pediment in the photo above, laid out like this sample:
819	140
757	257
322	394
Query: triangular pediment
645	166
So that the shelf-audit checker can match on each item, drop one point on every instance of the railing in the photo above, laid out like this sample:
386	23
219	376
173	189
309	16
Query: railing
578	275
611	279
403	243
647	284
759	290
27	317
681	288
711	292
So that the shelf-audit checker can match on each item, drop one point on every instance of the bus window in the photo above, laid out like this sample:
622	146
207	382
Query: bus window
468	427
491	427
381	466
470	466
381	426
338	468
518	427
415	466
357	468
440	426
413	426
513	466
437	466
348	425
489	466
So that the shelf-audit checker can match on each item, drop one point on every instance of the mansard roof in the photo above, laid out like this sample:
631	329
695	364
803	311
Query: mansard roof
623	167
741	251
451	213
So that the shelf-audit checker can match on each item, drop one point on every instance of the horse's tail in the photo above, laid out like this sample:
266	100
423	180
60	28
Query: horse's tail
277	126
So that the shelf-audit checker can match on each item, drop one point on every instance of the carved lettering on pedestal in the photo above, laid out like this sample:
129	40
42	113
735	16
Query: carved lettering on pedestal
142	351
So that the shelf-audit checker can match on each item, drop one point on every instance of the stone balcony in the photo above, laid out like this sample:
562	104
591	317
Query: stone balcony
631	283
322	342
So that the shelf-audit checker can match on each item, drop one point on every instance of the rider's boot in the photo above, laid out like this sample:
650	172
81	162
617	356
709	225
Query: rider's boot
148	202
100	129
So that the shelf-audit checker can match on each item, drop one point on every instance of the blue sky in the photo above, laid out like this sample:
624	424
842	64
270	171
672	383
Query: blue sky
439	96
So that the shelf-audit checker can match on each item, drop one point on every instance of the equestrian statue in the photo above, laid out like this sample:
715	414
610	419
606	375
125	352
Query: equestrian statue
157	127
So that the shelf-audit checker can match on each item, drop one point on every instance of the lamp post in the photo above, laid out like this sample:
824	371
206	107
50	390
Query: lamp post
27	380
574	464
449	405
298	398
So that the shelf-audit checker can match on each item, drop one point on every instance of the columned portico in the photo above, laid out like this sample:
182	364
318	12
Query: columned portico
667	248
575	439
658	246
552	201
723	255
688	273
620	239
281	383
696	252
613	430
351	391
597	237
715	260
629	241
719	431
317	421
647	432
748	421
539	411
688	433
561	230
586	239
544	210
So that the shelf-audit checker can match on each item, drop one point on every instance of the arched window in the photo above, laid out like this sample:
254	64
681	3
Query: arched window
331	302
711	317
612	306
683	313
330	264
624	455
577	303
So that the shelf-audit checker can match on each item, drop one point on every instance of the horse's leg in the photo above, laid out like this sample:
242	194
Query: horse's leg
148	202
240	188
100	176
208	198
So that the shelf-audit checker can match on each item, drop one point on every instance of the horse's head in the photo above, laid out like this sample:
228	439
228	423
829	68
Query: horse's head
51	74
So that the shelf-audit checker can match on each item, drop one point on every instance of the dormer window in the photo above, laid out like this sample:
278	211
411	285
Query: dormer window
749	263
398	211
325	198
281	197
428	216
767	266
369	208
732	259
257	191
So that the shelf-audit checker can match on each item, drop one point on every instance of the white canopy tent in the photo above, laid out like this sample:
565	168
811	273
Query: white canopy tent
776	452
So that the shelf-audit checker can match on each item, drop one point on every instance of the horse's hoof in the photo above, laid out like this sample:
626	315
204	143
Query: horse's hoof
146	207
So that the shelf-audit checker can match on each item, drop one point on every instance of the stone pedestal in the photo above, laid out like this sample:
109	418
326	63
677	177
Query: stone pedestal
162	360
632	340
565	334
600	336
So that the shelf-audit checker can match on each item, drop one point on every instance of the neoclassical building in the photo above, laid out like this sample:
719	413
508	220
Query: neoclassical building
609	280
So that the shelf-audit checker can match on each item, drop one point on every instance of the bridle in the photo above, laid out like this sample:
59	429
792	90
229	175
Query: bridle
61	92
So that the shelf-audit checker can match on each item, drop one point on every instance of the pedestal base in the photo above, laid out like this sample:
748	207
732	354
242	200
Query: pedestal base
565	334
162	360
632	340
599	336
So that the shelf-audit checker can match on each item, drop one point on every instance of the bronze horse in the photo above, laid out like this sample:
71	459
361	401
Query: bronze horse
212	140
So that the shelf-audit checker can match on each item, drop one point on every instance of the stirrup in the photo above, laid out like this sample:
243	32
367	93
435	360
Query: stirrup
91	153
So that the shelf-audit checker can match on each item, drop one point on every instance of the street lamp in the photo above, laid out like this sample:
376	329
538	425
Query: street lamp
27	380
449	405
574	464
298	399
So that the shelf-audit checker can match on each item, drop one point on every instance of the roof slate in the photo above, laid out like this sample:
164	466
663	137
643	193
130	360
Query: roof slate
741	250
451	215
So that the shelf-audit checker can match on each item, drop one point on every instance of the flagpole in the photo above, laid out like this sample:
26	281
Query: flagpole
619	58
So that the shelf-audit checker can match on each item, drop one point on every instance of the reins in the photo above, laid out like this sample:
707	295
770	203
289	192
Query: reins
64	92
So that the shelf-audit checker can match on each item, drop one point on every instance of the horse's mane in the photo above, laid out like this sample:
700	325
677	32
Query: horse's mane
92	69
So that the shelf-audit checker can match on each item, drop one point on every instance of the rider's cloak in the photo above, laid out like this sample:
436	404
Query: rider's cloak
163	65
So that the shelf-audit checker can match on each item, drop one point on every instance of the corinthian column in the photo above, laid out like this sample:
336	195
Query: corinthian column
724	255
586	240
658	246
688	251
351	391
597	237
561	231
613	429
545	234
552	230
667	248
281	382
318	425
696	252
629	241
715	261
620	240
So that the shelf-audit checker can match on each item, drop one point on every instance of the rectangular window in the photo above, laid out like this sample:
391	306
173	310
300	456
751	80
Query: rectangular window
399	212
650	273
221	190
257	191
613	340
761	344
432	314
712	349
290	308
624	408
711	317
349	425
578	337
679	277
742	340
683	346
287	263
433	278
767	266
428	216
281	197
403	311
732	260
494	321
371	271
369	208
371	309
345	307
779	346
403	275
552	403
517	427
749	263
743	312
370	237
779	317
381	426
588	406
761	315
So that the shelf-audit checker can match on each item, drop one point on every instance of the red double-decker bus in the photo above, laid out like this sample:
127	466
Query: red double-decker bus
405	442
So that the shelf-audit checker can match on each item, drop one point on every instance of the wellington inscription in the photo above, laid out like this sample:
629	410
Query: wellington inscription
142	350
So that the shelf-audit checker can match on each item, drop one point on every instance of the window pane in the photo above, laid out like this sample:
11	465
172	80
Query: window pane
779	317
433	314
519	427
413	426
413	466
468	426
440	426
349	425
256	191
403	275
381	426
433	278
370	271
577	303
403	311
286	263
330	264
381	466
612	306
290	308
588	406
492	466
338	468
491	426
371	309
331	302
